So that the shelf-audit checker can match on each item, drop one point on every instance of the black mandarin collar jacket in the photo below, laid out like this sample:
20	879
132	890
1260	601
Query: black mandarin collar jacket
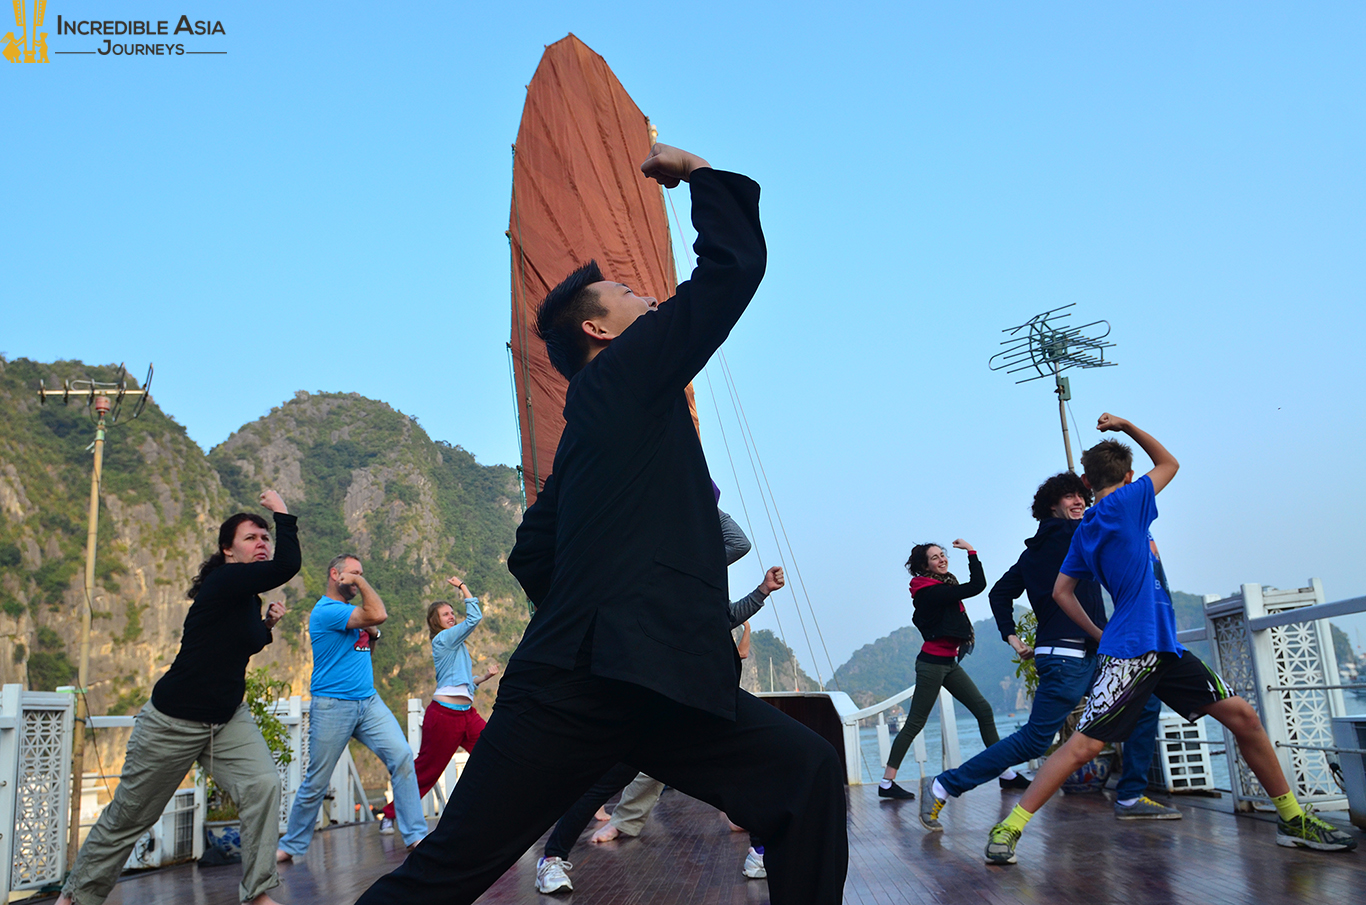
622	547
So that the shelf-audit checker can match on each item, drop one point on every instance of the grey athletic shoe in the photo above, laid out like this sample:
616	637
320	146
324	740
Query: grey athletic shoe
551	876
754	865
1146	809
1309	831
930	806
1001	844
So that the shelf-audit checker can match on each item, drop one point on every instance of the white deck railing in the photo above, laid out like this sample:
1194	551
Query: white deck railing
948	734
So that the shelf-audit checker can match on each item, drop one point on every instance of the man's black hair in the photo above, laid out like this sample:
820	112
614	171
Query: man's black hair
1054	489
559	320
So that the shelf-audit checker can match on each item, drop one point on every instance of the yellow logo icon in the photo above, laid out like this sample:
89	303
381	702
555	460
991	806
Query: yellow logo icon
33	47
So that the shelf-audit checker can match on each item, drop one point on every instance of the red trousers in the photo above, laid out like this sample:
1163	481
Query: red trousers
443	730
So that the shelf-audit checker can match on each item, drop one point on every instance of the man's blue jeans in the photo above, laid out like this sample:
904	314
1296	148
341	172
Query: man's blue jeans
333	722
1062	683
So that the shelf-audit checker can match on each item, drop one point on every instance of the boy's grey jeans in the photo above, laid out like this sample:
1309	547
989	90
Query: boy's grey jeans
160	752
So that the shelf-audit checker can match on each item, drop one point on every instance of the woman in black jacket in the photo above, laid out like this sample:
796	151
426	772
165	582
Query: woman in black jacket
944	624
197	713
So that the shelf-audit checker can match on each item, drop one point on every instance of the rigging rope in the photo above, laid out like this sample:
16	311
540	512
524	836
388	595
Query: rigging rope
521	323
747	437
744	509
517	423
781	559
725	365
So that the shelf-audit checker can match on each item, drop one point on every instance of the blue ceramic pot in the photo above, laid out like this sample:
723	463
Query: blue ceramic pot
222	842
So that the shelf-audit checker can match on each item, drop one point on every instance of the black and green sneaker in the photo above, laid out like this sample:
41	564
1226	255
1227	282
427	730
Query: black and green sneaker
1309	831
1001	844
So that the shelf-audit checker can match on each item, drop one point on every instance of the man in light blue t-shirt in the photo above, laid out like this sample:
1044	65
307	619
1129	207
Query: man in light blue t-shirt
345	706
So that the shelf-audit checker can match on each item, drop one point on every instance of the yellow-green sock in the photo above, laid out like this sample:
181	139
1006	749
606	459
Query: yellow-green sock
1017	818
1287	806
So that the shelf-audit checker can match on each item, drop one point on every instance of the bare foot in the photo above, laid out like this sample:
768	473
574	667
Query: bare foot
262	899
64	899
605	834
282	856
602	816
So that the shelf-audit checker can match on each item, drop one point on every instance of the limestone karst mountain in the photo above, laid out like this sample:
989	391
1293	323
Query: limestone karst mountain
361	476
366	479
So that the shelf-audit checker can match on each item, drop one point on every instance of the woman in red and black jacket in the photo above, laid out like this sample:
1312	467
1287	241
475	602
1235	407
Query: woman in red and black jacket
944	624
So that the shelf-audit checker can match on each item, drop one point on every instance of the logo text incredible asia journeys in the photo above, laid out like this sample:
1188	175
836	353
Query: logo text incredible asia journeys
28	44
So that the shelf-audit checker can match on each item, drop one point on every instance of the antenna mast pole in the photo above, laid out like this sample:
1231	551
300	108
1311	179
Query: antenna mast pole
1045	345
106	414
1062	416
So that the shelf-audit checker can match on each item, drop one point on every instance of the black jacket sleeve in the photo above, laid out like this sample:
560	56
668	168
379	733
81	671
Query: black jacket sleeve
938	608
664	350
977	582
532	560
247	579
1004	593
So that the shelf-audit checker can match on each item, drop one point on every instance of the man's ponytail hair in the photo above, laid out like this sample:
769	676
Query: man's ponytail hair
1050	492
227	533
1107	463
559	320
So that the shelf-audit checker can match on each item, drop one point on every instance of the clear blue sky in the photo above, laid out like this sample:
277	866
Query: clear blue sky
323	208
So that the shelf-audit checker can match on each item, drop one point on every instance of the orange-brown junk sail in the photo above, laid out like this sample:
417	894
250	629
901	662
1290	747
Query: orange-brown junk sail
577	195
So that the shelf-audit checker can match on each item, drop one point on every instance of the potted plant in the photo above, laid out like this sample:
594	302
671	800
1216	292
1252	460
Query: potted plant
1091	777
221	827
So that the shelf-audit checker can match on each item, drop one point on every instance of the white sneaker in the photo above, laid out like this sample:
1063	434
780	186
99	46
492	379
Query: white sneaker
551	876
754	865
386	826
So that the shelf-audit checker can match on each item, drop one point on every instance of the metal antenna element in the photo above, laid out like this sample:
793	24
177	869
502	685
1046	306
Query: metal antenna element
91	390
1046	346
104	404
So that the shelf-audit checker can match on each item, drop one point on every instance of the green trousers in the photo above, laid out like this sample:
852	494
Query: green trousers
161	751
929	678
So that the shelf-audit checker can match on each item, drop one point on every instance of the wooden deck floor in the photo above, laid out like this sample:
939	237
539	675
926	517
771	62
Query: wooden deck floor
1074	852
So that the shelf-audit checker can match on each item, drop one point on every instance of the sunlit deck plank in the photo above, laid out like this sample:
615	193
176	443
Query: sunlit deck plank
1074	852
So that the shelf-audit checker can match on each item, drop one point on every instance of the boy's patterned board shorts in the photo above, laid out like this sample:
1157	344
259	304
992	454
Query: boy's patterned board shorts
1123	686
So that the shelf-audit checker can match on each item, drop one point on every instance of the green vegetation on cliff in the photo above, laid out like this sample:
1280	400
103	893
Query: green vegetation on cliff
362	477
366	479
156	491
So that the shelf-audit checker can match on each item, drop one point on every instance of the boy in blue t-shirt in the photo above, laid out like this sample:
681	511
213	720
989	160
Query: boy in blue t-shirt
1139	654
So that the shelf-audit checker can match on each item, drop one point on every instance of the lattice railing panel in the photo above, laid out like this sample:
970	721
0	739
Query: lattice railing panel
1238	671
40	821
1308	713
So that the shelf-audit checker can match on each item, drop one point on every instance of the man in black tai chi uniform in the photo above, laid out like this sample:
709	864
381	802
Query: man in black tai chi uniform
629	656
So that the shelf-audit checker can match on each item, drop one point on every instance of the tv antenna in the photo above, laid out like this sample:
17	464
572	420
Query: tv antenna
1044	346
104	404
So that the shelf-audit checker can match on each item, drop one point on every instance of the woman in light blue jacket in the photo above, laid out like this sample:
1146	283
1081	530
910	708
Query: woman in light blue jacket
450	721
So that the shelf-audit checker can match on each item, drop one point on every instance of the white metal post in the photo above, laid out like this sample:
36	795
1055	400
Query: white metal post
1264	661
948	730
9	776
